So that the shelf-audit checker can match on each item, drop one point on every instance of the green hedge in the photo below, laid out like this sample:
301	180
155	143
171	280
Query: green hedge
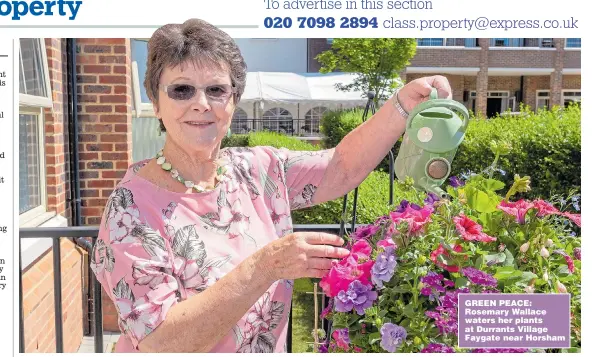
545	146
266	138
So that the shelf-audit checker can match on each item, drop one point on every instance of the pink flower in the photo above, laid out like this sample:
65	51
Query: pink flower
341	337
576	218
442	251
415	216
344	272
362	249
471	230
544	208
517	209
385	243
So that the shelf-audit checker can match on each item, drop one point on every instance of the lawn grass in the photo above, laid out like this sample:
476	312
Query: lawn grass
302	316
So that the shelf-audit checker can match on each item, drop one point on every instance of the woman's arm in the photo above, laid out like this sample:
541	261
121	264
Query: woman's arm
200	322
363	148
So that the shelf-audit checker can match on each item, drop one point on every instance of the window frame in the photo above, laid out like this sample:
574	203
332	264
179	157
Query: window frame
563	96
41	209
33	100
545	97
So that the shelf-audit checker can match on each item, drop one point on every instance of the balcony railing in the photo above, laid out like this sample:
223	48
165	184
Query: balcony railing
290	127
86	237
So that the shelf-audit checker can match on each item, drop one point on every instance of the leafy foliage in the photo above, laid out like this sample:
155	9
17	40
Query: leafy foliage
376	61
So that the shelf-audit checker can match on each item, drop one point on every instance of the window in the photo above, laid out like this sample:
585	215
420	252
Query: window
430	42
506	42
34	97
573	43
146	136
312	121
329	41
278	120
543	100
240	122
571	96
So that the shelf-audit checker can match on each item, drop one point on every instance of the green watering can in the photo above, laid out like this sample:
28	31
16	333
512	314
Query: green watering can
434	131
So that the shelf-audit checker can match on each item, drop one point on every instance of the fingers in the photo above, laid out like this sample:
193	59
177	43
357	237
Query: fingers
327	251
323	238
441	84
319	263
316	273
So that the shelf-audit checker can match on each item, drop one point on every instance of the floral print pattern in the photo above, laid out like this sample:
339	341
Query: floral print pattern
157	248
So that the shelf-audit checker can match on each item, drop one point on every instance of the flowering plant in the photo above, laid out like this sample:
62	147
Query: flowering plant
398	289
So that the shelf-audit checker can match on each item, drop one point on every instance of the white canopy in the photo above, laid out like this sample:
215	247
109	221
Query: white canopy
300	88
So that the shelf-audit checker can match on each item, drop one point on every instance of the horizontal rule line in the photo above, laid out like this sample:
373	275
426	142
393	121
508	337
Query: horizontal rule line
112	26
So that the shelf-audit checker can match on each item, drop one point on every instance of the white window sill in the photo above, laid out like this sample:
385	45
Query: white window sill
33	248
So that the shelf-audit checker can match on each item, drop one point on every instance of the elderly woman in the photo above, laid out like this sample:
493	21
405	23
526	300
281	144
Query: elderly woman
196	247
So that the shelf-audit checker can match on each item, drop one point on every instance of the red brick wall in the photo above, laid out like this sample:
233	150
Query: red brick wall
38	300
445	57
56	125
38	282
315	47
572	82
531	85
521	58
573	59
104	105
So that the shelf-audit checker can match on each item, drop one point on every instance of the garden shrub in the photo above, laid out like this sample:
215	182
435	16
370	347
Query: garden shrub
547	145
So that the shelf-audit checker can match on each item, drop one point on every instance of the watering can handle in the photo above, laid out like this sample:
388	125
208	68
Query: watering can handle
447	103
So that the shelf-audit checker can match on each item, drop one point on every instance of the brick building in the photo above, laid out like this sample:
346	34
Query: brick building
84	118
492	75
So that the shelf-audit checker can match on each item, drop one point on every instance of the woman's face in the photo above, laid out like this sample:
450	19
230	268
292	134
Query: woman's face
196	106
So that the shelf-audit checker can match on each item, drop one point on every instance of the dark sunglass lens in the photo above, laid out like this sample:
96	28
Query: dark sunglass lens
181	91
217	91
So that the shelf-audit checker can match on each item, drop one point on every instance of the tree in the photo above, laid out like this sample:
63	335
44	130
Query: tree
376	61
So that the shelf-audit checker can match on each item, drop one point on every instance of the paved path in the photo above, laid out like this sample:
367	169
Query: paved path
88	343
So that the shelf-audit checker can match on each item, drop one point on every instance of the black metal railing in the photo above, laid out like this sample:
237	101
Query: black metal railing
290	127
86	237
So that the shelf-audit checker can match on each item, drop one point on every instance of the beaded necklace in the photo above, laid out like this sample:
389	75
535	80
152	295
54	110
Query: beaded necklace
166	166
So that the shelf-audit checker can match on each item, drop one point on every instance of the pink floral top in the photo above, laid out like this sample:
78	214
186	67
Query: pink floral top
156	247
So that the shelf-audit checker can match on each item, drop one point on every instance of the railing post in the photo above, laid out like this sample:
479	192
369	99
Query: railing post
57	293
97	310
22	313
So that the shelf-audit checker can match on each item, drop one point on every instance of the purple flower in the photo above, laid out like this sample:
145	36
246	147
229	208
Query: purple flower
327	310
450	300
437	348
384	267
366	231
431	198
445	319
456	182
577	252
341	337
358	296
323	348
434	287
392	336
478	277
500	350
404	204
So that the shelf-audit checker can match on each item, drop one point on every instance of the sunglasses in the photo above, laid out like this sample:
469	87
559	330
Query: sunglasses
182	91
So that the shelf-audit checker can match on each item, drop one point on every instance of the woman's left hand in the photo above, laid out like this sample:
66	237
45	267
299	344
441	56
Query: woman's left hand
418	91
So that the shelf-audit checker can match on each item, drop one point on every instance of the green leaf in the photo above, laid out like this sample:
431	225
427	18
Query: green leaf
409	310
479	262
481	201
374	337
461	282
563	270
496	258
509	258
527	276
401	289
493	185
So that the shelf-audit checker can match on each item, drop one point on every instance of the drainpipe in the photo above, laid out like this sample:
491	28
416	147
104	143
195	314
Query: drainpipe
521	99
75	203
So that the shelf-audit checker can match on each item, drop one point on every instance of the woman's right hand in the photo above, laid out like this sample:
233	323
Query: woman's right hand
301	255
